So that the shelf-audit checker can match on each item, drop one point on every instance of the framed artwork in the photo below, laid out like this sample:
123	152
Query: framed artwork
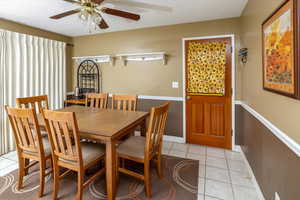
280	50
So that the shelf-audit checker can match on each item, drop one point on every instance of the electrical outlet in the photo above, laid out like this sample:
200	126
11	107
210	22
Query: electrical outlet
277	196
175	84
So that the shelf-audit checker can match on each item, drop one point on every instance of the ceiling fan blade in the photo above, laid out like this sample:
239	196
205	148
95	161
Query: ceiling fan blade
61	15
103	24
120	13
97	1
73	1
137	4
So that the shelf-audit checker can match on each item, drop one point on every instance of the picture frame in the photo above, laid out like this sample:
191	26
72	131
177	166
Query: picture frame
280	49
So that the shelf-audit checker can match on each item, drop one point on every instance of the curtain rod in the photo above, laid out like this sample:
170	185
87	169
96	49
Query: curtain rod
70	44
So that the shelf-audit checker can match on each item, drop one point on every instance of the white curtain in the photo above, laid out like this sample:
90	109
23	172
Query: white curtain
29	66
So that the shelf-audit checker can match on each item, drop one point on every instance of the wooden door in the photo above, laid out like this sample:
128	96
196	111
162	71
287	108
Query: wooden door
208	92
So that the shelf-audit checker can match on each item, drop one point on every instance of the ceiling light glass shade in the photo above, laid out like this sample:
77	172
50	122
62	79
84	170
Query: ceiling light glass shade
91	19
96	18
83	16
93	22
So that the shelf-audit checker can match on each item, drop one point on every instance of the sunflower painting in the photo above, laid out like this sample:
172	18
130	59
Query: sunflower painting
278	51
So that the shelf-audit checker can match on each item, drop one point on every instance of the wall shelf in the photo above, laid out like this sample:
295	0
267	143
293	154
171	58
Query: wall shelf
143	57
97	59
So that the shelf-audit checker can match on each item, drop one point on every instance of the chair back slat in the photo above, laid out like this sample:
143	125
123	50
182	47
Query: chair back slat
124	102
97	100
30	133
25	129
20	131
54	140
68	138
63	133
156	129
38	103
59	137
119	105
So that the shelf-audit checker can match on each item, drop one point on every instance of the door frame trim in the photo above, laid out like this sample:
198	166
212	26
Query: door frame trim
233	67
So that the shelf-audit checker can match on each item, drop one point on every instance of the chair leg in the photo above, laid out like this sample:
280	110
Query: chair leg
51	163
42	177
80	177
117	170
55	181
147	180
21	173
159	167
27	161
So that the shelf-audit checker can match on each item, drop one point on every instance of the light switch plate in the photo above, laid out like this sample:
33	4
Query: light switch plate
175	84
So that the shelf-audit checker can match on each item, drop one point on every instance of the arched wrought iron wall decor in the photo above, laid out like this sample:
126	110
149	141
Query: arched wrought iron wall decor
89	77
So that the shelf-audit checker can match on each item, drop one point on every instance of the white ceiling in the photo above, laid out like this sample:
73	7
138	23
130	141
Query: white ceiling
36	13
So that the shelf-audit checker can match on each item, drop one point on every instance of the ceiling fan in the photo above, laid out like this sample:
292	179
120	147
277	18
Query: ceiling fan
90	12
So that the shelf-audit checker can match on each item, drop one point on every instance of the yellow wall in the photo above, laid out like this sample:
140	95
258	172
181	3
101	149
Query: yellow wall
154	78
148	78
20	28
282	111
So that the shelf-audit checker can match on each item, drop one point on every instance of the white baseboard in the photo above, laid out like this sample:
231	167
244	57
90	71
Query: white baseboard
166	138
173	139
256	185
237	148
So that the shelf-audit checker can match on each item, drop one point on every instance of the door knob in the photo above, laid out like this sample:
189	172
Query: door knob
188	97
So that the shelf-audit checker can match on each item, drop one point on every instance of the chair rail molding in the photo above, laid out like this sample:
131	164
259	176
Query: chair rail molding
164	98
282	136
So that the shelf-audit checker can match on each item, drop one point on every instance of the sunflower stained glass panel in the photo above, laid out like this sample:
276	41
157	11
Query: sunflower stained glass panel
206	65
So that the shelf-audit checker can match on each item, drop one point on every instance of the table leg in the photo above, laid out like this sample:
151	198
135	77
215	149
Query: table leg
111	169
143	128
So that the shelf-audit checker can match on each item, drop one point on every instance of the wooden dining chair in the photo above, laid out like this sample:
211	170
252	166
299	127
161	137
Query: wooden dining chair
144	149
96	100
124	102
30	144
68	152
37	102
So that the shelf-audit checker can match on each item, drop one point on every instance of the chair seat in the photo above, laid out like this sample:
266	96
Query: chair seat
90	152
47	148
133	147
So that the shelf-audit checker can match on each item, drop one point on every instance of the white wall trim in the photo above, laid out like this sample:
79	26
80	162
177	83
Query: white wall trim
167	138
233	66
173	139
292	144
238	102
160	98
256	185
165	98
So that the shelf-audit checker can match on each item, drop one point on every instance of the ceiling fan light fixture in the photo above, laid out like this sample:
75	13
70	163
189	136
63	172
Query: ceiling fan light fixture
90	14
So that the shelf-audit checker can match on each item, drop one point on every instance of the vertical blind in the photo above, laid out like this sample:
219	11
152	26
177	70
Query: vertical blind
29	66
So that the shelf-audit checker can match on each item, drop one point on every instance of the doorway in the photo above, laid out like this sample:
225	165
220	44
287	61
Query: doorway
208	91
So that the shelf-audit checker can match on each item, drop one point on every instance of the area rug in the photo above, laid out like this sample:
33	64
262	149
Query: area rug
180	181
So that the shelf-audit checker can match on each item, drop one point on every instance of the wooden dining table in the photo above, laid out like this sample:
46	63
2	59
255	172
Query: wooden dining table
106	126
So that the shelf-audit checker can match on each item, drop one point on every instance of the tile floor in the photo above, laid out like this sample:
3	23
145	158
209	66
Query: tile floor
8	163
223	174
